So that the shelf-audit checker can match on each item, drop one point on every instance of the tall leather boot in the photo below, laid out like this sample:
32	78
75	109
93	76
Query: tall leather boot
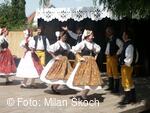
110	84
133	95
126	99
116	86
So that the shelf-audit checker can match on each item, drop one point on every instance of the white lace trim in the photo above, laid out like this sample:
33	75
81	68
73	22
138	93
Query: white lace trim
77	14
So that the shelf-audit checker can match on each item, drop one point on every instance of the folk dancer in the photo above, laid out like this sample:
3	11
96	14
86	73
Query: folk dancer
41	45
129	57
113	50
58	70
86	74
7	63
30	65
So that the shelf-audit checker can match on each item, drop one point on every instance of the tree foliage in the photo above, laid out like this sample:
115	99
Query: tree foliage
12	13
127	8
5	12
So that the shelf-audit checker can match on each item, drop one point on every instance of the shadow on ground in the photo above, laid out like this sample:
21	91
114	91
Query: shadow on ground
14	82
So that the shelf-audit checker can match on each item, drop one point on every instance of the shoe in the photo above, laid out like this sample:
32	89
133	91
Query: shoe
23	86
54	91
133	96
127	99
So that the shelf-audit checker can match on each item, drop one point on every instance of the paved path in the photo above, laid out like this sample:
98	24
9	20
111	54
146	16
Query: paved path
14	99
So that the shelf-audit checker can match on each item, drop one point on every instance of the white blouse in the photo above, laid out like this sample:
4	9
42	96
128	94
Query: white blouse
89	45
30	43
54	47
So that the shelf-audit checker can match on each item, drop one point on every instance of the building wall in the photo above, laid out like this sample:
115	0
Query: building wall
14	39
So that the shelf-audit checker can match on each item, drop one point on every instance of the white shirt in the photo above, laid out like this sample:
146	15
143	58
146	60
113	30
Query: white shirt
129	55
119	43
54	47
74	35
40	44
90	46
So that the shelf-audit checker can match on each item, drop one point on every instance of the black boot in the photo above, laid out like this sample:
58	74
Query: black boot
133	95
110	83
116	86
126	99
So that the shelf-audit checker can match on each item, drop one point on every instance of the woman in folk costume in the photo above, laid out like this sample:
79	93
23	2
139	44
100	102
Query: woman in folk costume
58	69
86	74
7	63
30	65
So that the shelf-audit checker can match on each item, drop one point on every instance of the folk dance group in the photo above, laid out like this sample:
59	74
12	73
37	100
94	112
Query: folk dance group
84	75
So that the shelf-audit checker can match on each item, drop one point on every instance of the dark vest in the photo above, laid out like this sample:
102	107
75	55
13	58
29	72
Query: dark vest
4	44
126	44
42	38
87	52
61	51
113	47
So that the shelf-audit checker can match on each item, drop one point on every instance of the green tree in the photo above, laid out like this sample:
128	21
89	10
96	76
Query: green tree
5	12
21	11
12	14
18	11
128	8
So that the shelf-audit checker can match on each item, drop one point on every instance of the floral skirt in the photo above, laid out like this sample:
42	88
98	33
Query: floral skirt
7	63
86	75
57	71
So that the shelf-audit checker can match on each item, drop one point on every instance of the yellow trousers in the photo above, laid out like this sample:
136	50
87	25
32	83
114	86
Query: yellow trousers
112	66
41	55
126	74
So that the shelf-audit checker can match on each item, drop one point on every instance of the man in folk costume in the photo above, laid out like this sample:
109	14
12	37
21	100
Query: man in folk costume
58	70
86	74
113	50
7	63
41	45
30	65
128	59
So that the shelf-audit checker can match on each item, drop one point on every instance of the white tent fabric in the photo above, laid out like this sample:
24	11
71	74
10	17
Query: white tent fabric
77	14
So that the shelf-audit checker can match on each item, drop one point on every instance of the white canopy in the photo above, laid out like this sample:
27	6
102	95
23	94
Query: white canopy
77	14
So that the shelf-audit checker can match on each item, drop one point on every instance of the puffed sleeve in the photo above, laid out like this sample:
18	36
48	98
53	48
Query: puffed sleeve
22	44
97	48
54	47
1	41
78	47
69	47
31	43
